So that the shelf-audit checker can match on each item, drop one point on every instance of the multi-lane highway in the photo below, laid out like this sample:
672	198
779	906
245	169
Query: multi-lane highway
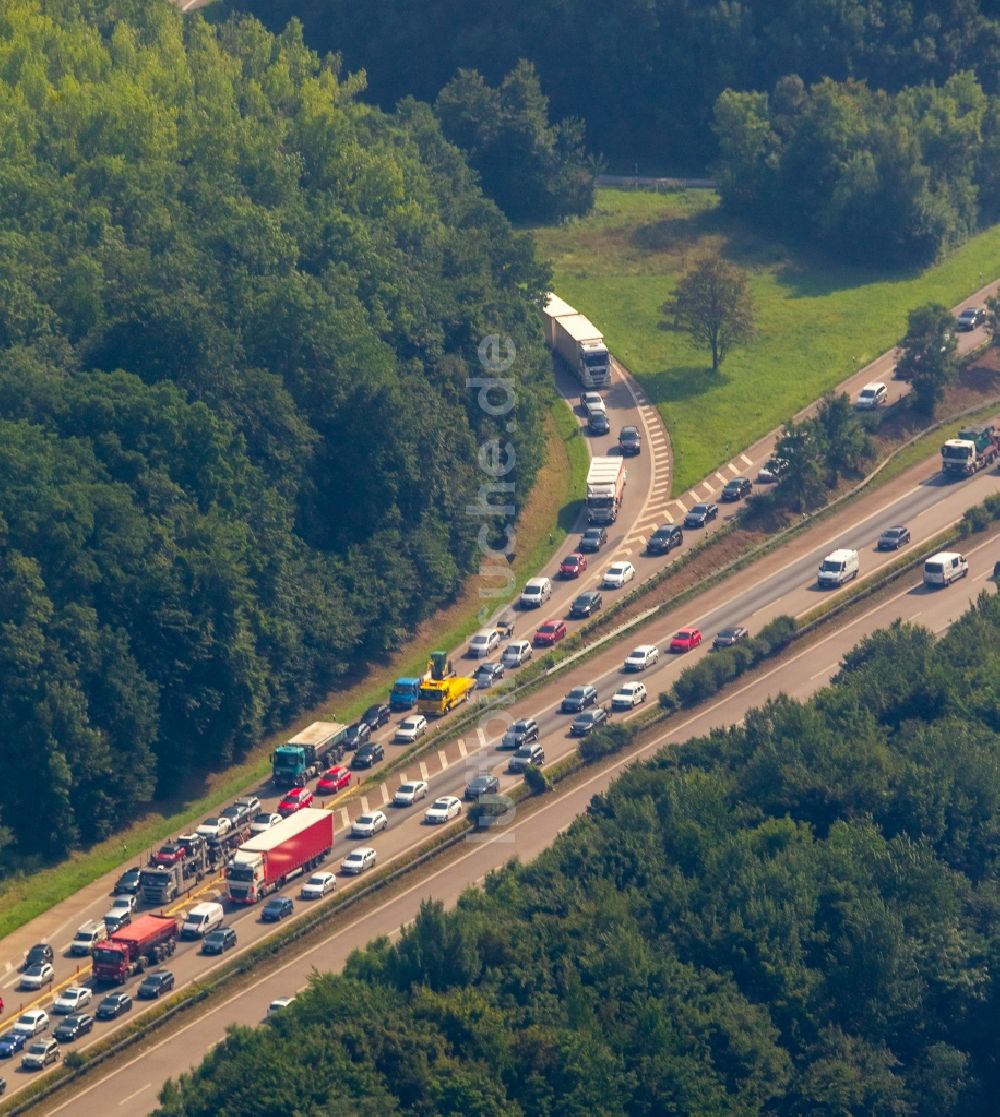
783	582
773	586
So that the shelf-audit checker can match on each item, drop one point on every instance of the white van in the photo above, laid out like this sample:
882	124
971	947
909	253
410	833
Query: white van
536	593
872	396
201	919
89	935
838	567
944	568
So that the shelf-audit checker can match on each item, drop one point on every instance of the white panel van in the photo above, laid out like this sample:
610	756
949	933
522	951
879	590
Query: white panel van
838	567
944	568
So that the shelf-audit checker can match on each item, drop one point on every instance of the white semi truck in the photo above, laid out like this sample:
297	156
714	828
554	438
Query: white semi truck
605	489
578	341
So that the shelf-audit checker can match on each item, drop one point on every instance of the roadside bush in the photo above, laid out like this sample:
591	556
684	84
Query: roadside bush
605	742
668	701
773	638
696	683
537	781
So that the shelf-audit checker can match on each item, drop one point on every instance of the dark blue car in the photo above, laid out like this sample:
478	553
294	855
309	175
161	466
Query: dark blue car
276	909
11	1043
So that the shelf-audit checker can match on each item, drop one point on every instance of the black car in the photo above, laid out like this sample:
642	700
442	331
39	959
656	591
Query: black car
154	985
127	883
489	673
376	715
358	734
592	540
598	423
736	489
218	941
79	1024
579	698
971	317
113	1006
277	908
728	637
584	604
40	952
479	786
701	514
368	755
893	538
774	469
522	732
629	442
664	539
588	721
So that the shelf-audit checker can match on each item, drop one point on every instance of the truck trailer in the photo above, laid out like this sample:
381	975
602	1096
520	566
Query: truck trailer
578	342
308	753
148	941
264	863
605	489
160	885
972	449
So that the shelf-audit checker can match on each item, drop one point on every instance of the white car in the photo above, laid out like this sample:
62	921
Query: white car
32	1023
123	901
617	574
535	593
444	809
368	824
358	860
628	696
593	403
72	1000
516	653
408	793
215	827
645	655
264	821
484	643
278	1005
249	803
411	728
318	886
38	976
872	395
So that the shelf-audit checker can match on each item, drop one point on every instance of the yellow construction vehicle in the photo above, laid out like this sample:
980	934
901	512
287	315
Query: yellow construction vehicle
444	690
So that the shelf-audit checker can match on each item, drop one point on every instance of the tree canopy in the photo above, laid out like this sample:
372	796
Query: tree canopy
713	303
238	313
791	917
645	75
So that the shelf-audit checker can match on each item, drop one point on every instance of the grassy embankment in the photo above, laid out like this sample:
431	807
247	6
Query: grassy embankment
818	321
556	499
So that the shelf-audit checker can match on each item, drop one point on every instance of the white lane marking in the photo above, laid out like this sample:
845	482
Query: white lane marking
745	459
135	1094
443	759
706	485
364	804
720	478
824	671
385	794
463	752
345	817
733	470
424	774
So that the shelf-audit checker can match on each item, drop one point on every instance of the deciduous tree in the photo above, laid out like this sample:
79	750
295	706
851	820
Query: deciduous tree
714	304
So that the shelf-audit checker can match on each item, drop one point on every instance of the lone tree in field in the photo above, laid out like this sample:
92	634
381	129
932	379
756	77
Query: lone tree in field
714	305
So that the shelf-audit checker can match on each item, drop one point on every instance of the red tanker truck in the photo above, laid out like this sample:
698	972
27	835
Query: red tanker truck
147	941
263	864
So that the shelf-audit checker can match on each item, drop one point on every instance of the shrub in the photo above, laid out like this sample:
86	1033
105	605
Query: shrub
537	781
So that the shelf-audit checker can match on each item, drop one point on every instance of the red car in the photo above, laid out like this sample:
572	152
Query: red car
550	633
295	800
572	566
333	780
169	854
685	639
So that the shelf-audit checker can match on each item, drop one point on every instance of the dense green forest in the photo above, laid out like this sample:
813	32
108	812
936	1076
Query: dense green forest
644	74
795	917
238	310
895	179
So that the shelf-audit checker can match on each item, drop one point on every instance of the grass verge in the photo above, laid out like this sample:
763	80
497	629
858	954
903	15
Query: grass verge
819	320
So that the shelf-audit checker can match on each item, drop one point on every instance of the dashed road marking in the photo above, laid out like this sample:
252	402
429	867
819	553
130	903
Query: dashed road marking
733	470
463	752
720	479
746	460
364	804
385	794
424	774
345	817
706	485
443	757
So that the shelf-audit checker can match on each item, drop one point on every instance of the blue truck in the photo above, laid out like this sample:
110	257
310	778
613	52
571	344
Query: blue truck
404	693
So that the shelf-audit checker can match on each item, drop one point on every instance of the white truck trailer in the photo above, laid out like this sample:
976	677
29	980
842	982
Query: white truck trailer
578	341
